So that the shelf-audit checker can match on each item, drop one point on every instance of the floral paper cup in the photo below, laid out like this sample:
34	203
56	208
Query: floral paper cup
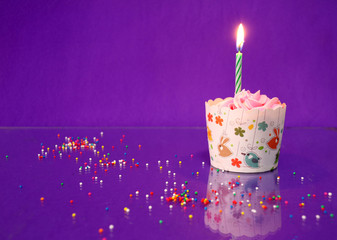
242	140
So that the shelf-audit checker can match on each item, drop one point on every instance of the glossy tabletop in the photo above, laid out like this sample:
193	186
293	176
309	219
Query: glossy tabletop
118	186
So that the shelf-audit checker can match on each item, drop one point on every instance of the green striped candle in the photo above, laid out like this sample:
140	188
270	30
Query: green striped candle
238	65
238	72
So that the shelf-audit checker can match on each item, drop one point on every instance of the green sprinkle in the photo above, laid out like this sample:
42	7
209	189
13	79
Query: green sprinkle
234	194
332	215
273	197
6	156
309	195
126	146
277	206
217	170
294	173
62	183
322	206
185	182
160	221
196	193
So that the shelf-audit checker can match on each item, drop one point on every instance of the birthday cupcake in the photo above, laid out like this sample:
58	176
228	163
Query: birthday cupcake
245	132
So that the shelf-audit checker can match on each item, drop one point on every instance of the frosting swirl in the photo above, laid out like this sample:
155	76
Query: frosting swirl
247	100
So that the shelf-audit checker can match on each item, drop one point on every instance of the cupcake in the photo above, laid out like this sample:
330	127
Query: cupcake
245	132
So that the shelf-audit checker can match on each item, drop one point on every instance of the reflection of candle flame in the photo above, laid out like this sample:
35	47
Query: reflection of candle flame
240	38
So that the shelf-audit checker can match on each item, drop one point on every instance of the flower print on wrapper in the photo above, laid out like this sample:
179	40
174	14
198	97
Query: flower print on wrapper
210	117
239	131
218	120
263	126
236	162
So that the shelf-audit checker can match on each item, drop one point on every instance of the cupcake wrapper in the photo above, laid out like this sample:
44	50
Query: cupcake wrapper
242	140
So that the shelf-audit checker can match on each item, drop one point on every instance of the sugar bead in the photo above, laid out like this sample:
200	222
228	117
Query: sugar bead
304	217
111	227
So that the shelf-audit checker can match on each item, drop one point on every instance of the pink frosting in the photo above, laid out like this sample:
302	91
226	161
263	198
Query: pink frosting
247	100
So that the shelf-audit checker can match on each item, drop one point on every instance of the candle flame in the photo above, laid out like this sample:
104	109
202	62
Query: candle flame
240	38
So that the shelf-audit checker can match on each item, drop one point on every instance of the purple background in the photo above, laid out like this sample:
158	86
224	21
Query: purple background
154	63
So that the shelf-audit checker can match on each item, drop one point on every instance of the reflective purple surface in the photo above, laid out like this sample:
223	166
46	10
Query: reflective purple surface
308	152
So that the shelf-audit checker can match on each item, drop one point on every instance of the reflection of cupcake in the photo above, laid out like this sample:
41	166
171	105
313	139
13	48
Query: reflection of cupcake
245	132
241	219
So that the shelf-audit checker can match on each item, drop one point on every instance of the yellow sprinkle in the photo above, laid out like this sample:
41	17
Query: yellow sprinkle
133	159
249	204
77	158
197	173
100	161
242	213
239	176
97	152
73	215
179	162
261	202
182	204
188	190
190	216
161	167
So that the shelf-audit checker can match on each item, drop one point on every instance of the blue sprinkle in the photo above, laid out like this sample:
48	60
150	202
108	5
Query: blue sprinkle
325	212
302	198
231	206
205	208
106	209
124	153
20	186
175	155
291	216
192	173
242	195
195	199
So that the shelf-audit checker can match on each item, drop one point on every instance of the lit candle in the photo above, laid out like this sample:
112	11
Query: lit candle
238	68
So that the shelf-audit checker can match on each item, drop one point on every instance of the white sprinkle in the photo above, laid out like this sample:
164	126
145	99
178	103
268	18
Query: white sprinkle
318	217
120	176
137	192
174	183
257	188
203	163
111	227
162	197
150	208
304	217
166	183
210	184
302	178
167	161
221	184
95	178
158	162
165	190
330	194
247	200
253	211
101	181
146	164
174	174
101	133
147	195
171	206
81	183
